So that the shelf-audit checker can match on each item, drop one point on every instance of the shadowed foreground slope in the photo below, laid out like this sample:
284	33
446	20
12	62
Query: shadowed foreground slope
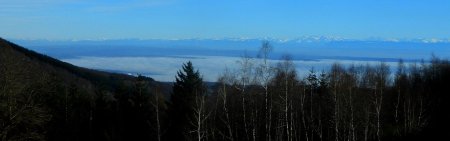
42	98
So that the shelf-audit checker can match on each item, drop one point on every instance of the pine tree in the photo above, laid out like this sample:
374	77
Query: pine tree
187	87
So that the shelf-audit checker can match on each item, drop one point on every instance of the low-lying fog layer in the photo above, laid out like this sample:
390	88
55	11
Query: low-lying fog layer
165	68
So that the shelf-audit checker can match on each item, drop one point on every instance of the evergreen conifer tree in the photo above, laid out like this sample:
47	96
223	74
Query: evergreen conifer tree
188	85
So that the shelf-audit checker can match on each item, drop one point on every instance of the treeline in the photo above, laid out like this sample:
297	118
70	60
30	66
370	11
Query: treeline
259	100
264	101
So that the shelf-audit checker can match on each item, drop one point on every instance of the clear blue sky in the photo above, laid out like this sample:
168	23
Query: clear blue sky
169	19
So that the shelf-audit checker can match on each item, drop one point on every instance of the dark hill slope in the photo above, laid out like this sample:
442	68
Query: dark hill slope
42	98
17	55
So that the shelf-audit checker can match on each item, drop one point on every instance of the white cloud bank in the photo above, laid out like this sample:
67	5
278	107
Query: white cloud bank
165	68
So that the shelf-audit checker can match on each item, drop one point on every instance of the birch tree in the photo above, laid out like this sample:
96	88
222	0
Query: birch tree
265	72
382	72
199	118
286	70
244	79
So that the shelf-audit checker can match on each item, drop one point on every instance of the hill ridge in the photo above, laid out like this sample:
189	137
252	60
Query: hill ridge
89	74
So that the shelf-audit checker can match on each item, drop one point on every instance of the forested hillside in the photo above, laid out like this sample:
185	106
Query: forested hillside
42	98
45	99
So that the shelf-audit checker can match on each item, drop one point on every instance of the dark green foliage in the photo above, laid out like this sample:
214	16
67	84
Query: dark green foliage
187	87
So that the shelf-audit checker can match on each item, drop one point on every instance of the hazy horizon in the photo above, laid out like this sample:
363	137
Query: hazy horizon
160	59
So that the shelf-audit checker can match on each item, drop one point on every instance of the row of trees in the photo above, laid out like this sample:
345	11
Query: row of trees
264	101
259	100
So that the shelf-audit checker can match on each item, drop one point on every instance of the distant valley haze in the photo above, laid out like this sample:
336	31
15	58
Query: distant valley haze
159	58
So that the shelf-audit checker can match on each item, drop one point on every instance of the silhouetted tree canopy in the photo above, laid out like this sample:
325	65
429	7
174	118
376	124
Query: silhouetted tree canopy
42	98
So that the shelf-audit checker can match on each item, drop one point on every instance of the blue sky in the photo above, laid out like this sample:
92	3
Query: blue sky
174	19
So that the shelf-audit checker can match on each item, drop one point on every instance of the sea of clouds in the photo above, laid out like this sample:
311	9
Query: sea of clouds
161	59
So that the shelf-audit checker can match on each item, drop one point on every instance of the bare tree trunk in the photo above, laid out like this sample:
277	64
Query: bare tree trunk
246	69
406	115
158	125
255	122
227	116
382	75
352	124
244	115
264	72
396	118
366	127
336	110
302	106
320	132
286	107
311	121
293	133
199	123
378	110
66	109
421	110
268	113
200	116
155	105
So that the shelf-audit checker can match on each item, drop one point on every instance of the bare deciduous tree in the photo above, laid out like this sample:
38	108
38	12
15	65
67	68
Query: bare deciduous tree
226	80
244	79
156	103
200	116
335	81
382	72
264	73
287	71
